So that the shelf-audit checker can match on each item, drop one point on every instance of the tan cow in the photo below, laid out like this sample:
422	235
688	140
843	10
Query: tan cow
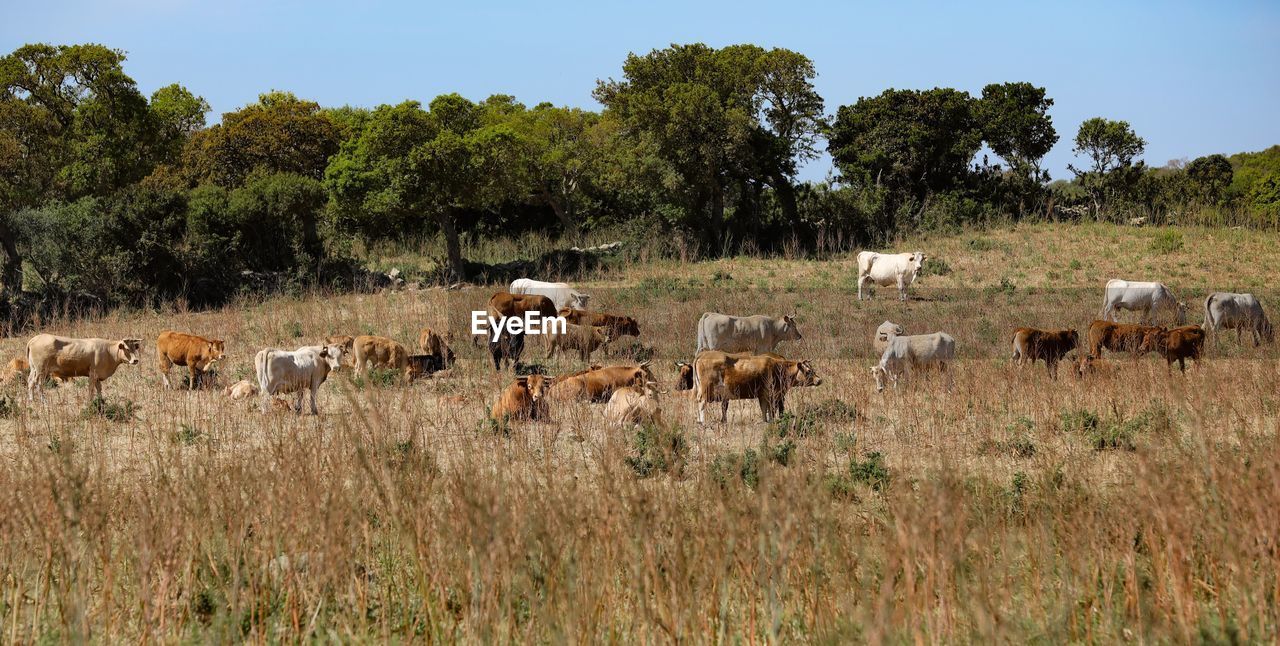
598	385
722	377
524	399
630	406
432	344
96	359
198	354
379	352
242	389
583	338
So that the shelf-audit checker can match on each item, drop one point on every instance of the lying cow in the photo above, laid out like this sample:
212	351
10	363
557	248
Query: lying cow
196	353
14	371
1031	345
242	389
1224	310
379	352
305	369
1149	298
886	331
914	352
617	324
723	377
599	385
524	399
632	406
1176	344
584	339
97	359
885	269
755	334
560	293
432	344
1116	337
422	365
506	349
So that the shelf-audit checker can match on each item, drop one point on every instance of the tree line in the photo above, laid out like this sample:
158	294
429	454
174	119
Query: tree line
111	197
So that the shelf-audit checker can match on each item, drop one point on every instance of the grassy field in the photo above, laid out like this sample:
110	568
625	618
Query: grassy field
1136	505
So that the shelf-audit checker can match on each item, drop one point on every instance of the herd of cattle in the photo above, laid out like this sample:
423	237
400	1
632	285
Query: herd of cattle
734	359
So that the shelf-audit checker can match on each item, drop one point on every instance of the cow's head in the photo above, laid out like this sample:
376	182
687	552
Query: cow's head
579	301
629	327
1182	313
537	385
805	375
1086	365
216	351
332	355
642	374
344	341
878	373
790	329
129	351
1073	340
1154	339
887	330
685	380
917	260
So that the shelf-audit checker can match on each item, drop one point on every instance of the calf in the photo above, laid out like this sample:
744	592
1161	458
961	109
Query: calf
915	352
197	353
631	406
583	338
617	324
379	352
1116	337
598	385
242	389
1177	344
97	359
15	370
1031	345
723	377
422	365
300	371
507	348
432	344
524	399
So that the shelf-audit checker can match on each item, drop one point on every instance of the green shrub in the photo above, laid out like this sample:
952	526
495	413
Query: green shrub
1167	242
384	377
187	435
789	425
658	449
121	411
934	267
870	472
743	467
1079	421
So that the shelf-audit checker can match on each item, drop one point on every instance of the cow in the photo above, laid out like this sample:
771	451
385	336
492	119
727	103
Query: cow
14	371
242	389
65	357
379	352
422	365
1224	310
305	369
583	338
1088	364
1031	345
723	377
508	347
504	304
432	344
755	334
684	379
560	293
618	325
913	352
197	353
1176	344
632	406
524	399
347	343
1116	337
886	331
598	385
1146	297
885	269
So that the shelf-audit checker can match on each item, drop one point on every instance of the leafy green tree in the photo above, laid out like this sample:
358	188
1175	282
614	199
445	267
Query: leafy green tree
279	134
1110	148
1017	126
565	148
176	116
1210	177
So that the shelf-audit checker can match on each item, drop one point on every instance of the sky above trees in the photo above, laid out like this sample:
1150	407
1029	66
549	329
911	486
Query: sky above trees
1192	79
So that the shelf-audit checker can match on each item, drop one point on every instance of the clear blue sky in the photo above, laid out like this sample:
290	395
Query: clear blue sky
1192	78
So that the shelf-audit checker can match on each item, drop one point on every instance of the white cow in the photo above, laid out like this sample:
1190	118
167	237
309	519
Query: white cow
64	357
1145	297
914	352
756	334
885	269
886	331
1225	310
561	294
282	371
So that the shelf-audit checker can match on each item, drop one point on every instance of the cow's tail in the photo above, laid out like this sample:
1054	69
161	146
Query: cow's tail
260	363
1208	313
703	342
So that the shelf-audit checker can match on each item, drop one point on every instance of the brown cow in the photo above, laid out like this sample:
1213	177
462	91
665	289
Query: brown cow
1088	365
722	377
15	369
524	399
432	344
585	339
598	385
379	352
618	325
1177	344
504	304
1116	337
685	379
197	353
1031	345
96	359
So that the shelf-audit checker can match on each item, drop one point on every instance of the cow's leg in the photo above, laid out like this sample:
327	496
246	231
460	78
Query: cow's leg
164	370
266	401
297	403
724	411
195	374
34	380
861	280
1051	365
902	289
314	410
95	386
702	411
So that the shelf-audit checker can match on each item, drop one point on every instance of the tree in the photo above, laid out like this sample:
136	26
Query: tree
176	116
565	150
1017	126
1210	176
1110	147
279	134
446	163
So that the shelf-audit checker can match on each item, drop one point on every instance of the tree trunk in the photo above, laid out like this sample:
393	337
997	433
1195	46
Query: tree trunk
562	214
455	271
11	270
787	200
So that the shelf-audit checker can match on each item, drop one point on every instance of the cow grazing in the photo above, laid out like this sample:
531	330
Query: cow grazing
1176	344
915	352
582	338
885	269
631	406
504	304
1116	337
379	352
755	334
599	384
723	377
432	344
1224	310
560	293
1148	298
524	399
302	370
242	389
507	348
197	353
1031	345
886	331
617	324
97	359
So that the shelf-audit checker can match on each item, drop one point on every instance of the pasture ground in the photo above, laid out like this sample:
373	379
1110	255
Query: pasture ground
1137	504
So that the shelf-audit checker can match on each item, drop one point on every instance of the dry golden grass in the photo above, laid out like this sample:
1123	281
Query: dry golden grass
399	513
